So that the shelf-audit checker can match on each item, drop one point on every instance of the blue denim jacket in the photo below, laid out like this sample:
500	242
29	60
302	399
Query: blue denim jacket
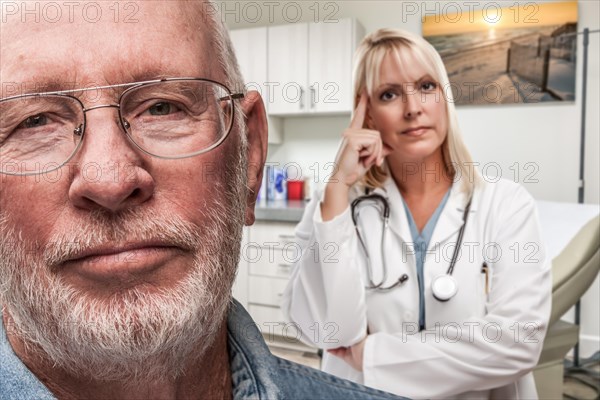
256	373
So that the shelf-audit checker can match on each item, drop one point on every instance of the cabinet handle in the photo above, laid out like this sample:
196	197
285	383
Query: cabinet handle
313	95
301	98
284	236
285	269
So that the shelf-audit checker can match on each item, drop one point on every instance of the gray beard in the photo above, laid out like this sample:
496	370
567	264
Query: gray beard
132	335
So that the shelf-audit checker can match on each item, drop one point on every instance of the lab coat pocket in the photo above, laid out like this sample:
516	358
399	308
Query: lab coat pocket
469	301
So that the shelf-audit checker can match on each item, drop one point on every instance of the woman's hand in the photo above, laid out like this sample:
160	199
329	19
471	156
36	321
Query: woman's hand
351	355
360	150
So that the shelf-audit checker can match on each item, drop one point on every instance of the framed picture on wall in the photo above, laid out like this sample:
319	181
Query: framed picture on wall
521	53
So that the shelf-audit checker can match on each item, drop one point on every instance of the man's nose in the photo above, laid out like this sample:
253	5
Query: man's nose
110	173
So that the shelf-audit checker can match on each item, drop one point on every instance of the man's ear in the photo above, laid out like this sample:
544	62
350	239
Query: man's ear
257	133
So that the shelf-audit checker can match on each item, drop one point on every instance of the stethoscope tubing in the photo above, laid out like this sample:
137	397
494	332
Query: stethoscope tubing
377	198
460	238
386	216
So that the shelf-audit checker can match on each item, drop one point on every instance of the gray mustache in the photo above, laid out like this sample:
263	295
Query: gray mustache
101	229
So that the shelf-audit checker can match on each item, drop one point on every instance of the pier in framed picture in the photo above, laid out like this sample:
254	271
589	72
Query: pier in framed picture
521	53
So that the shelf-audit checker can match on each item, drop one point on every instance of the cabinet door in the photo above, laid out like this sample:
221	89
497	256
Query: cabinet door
251	50
288	70
250	47
331	47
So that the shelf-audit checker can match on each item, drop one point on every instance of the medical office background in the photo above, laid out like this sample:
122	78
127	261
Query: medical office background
537	145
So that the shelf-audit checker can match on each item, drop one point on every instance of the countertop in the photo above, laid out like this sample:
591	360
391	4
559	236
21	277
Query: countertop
280	210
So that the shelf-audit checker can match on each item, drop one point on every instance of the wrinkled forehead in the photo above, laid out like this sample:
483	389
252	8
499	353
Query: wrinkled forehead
82	44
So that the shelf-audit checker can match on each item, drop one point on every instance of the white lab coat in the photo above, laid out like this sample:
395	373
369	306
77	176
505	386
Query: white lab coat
477	345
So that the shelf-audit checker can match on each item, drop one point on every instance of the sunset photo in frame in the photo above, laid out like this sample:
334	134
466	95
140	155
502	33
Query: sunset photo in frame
522	53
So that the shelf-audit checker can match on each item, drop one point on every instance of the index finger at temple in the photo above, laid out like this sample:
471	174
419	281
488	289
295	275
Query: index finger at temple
358	118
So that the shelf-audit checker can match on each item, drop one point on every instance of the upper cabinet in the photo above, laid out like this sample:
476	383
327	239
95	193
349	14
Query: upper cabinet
250	47
287	51
310	66
307	67
251	50
330	61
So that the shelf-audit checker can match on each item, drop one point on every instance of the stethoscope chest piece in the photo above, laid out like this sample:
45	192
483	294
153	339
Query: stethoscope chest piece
444	287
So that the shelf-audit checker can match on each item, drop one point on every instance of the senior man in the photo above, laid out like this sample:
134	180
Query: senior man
124	187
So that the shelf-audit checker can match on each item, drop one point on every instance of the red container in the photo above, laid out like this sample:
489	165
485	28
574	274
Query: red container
295	189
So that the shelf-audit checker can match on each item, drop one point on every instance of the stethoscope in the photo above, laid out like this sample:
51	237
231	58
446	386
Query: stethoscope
443	287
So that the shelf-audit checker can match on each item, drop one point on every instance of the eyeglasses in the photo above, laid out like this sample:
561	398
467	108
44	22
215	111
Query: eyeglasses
168	118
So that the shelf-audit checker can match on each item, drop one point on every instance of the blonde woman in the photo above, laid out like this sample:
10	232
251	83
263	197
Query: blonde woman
419	276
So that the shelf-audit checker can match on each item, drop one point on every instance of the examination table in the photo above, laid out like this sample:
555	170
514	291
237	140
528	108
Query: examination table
572	236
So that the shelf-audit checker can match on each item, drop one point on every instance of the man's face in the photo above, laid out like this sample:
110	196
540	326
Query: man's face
111	260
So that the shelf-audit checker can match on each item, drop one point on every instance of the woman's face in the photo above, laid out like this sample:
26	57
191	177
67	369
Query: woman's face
409	110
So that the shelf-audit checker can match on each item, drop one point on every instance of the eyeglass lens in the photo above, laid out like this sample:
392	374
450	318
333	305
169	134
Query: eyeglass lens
170	119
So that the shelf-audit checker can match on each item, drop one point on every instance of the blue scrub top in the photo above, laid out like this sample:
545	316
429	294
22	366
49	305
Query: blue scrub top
421	243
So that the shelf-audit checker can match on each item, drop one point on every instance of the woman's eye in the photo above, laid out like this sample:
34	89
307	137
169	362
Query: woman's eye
387	96
34	122
162	108
428	86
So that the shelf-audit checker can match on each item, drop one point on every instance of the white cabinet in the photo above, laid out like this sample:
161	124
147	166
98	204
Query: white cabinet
330	63
250	47
301	68
268	253
310	67
251	51
288	68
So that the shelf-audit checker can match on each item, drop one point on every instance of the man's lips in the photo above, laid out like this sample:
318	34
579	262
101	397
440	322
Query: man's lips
115	249
109	262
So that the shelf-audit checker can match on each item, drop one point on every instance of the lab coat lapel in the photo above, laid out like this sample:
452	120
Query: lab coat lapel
451	218
398	221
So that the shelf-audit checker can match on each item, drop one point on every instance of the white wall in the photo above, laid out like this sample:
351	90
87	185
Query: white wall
546	134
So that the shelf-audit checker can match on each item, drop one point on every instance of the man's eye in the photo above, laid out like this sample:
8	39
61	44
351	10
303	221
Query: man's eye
33	122
163	108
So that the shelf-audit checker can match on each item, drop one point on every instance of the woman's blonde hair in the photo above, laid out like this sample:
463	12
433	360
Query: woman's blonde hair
367	64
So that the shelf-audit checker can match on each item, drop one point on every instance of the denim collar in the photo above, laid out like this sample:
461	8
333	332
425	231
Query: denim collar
250	359
255	372
16	380
252	369
247	353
